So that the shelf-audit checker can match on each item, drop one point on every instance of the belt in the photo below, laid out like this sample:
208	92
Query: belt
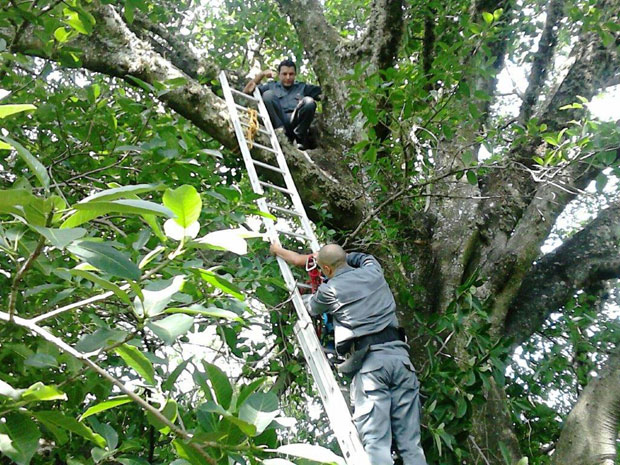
387	334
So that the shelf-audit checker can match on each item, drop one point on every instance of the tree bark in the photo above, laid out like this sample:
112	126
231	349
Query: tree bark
590	432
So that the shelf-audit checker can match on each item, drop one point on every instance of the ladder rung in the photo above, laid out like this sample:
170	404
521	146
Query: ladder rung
283	210
264	147
243	94
262	131
242	108
273	186
267	166
291	233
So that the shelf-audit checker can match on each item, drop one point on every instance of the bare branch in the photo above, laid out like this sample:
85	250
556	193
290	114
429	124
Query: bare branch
543	59
590	256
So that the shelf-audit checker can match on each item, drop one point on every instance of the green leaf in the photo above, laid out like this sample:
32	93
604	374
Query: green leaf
259	410
170	411
140	207
62	35
105	258
248	389
105	405
310	452
60	238
221	283
220	384
188	453
24	436
172	327
6	110
70	424
472	178
156	296
35	165
136	360
102	337
41	392
169	383
12	199
488	17
210	311
104	283
185	203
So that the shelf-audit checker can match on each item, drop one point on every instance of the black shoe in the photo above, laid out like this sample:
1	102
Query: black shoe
301	147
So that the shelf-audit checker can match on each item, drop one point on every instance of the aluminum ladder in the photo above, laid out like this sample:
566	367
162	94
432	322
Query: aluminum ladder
333	400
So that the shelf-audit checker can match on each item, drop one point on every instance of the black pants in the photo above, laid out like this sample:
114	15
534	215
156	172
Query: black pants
295	124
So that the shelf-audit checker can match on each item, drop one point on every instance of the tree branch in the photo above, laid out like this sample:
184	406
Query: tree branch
590	432
543	60
590	256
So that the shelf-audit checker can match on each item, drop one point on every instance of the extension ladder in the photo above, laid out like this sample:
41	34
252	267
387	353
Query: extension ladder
333	400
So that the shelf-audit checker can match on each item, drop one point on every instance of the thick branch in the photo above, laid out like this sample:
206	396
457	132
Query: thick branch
591	429
543	60
591	255
381	39
177	50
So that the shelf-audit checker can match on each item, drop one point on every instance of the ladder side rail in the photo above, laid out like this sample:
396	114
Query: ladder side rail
243	145
333	399
288	178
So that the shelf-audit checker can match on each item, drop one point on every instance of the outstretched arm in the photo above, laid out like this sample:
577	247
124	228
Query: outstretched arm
290	257
250	86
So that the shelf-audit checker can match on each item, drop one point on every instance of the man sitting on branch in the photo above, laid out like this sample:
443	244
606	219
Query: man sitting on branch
290	104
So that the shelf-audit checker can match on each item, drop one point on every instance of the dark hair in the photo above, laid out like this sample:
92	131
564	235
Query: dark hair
287	62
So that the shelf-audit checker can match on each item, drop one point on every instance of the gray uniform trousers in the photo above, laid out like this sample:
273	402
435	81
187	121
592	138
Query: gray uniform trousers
385	396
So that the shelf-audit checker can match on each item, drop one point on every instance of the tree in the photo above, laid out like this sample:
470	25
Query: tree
411	100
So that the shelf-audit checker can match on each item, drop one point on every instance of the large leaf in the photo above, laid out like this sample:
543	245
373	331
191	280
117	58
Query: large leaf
102	337
136	360
57	419
220	384
35	165
41	392
259	409
186	204
13	200
311	452
105	258
214	312
124	191
105	405
87	211
60	238
104	283
24	436
232	240
188	453
156	296
7	110
140	207
171	327
221	283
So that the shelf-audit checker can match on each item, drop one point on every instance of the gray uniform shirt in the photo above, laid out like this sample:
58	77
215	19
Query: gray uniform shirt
289	97
361	303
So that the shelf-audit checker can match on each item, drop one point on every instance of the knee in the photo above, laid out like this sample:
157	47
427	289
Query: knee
308	102
269	96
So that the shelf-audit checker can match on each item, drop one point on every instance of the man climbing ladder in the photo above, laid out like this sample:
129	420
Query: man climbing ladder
385	389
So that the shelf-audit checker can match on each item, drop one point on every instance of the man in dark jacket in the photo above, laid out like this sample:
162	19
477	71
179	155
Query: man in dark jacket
290	104
385	389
